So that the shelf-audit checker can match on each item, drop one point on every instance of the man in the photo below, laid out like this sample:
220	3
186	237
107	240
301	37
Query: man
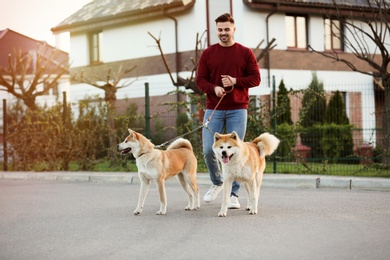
226	71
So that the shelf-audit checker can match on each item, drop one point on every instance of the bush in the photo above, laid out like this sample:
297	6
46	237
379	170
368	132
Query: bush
335	111
311	137
288	139
38	140
329	141
41	140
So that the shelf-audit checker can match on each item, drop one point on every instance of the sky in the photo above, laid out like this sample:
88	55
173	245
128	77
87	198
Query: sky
35	18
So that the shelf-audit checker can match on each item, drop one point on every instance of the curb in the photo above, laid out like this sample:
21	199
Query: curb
269	180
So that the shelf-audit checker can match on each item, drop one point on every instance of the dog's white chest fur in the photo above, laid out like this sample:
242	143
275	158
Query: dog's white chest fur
146	167
238	171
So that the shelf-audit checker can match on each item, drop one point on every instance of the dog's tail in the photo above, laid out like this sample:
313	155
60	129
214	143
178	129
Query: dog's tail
266	143
180	143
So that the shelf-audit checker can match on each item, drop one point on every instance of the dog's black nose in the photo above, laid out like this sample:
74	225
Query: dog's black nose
224	153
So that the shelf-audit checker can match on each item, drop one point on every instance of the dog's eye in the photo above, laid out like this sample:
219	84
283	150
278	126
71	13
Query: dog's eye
229	147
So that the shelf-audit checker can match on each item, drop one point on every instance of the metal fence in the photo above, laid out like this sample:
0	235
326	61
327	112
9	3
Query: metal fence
352	149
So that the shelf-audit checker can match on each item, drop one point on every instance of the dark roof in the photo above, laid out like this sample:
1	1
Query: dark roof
12	42
344	3
99	13
313	6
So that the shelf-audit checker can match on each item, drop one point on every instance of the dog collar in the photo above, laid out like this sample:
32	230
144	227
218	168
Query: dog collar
142	154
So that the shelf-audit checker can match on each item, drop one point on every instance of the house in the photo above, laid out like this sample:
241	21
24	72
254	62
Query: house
108	34
12	44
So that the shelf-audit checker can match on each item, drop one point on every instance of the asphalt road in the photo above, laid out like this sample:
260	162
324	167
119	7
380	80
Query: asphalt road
86	220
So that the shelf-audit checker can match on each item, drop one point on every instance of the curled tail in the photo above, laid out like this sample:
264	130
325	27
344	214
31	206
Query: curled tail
266	143
180	143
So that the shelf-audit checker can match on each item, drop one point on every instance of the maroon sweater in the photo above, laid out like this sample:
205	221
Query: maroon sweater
236	61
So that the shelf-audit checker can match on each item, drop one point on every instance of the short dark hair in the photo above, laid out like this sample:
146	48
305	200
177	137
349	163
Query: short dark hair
226	17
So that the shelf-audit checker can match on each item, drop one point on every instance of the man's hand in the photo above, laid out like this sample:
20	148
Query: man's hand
219	91
228	81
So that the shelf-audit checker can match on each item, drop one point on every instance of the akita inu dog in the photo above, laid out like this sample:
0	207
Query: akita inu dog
244	162
158	165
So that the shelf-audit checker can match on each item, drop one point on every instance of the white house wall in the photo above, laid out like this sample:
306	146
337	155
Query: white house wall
251	28
131	42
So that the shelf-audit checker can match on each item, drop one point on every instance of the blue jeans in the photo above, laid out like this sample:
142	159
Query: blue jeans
228	120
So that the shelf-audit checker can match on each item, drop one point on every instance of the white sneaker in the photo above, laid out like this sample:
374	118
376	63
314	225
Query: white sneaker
212	193
233	203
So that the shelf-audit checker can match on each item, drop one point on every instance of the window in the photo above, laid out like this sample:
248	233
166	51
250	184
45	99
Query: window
95	41
296	31
333	34
52	91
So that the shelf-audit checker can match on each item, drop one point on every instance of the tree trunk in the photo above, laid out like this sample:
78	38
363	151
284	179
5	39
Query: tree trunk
30	103
110	121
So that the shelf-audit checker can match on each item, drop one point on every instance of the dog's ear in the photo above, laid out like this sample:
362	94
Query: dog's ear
234	135
132	133
217	136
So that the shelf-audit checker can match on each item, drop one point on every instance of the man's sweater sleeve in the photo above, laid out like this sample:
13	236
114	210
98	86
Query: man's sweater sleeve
202	76
252	77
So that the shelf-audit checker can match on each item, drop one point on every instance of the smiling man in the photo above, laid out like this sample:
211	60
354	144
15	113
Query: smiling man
226	71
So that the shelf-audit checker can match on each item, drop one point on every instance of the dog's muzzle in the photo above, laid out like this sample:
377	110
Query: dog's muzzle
124	151
225	157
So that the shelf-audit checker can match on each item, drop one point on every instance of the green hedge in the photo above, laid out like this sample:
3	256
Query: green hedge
329	141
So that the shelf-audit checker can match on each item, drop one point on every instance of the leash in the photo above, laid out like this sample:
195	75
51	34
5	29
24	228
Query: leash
205	125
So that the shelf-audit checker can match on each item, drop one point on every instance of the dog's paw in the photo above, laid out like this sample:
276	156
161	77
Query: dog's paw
160	212
248	208
252	212
222	214
137	212
191	208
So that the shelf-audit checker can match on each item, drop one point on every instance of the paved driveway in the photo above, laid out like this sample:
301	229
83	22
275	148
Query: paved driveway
85	220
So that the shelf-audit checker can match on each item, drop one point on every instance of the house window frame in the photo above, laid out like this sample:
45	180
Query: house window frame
329	28
95	46
297	34
53	91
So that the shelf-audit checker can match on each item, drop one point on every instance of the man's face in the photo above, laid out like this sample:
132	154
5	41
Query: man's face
225	32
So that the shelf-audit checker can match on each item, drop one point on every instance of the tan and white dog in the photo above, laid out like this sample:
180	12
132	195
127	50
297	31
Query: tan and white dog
158	165
244	162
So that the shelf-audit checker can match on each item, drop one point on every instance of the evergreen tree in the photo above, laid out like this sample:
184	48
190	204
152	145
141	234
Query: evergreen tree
313	104
312	115
335	112
283	106
338	141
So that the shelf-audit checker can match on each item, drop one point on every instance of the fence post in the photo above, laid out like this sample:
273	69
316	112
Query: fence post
274	117
5	152
64	110
147	111
65	165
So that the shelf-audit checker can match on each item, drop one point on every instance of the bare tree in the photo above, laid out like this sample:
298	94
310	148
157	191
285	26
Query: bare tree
32	74
110	85
367	26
